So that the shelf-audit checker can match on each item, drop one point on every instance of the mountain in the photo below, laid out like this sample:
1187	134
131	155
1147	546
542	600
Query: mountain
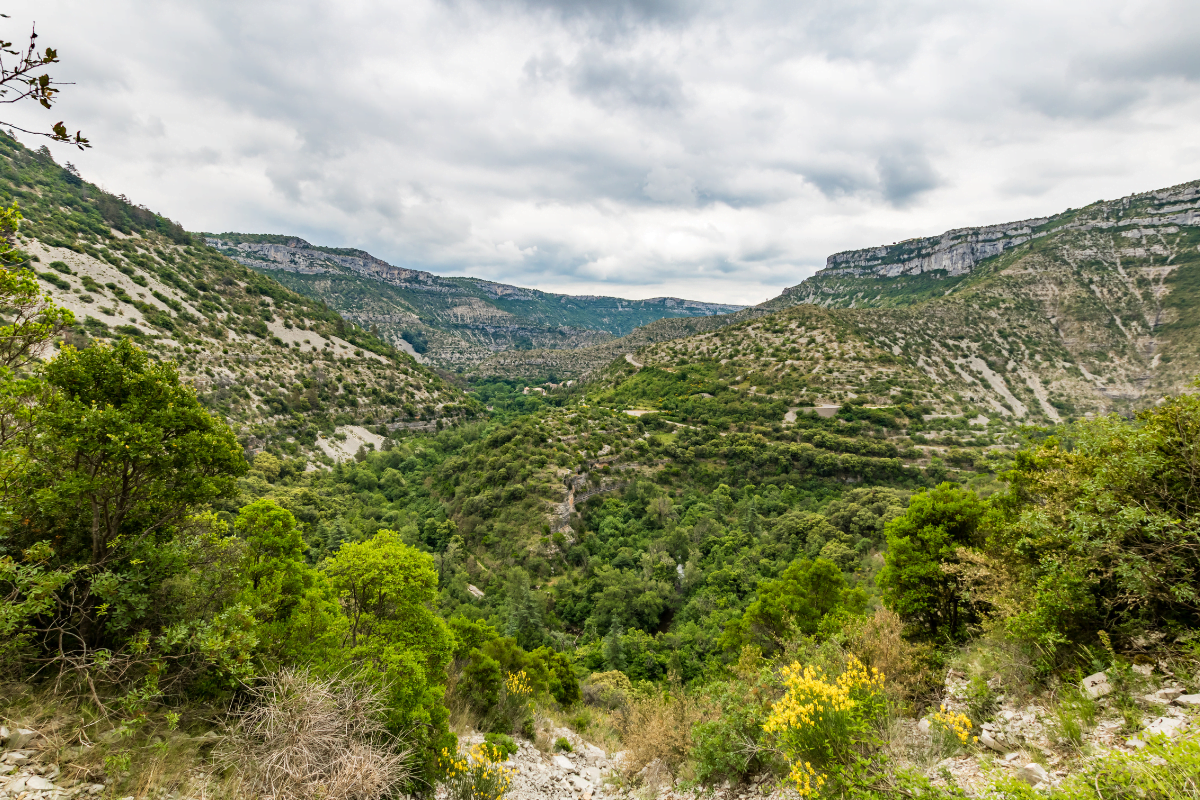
1088	311
451	322
286	371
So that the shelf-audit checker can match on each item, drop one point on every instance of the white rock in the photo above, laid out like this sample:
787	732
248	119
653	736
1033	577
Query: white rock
592	752
15	757
1144	669
1188	700
37	783
1165	726
593	775
578	783
563	763
1033	774
1096	686
923	725
1168	694
988	740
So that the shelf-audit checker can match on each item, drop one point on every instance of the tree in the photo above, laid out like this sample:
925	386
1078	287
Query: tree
18	83
388	590
797	602
123	451
914	580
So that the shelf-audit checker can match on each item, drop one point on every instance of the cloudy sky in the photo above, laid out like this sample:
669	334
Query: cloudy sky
712	150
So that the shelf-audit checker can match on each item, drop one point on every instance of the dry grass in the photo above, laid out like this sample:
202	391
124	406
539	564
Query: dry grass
878	642
659	728
303	737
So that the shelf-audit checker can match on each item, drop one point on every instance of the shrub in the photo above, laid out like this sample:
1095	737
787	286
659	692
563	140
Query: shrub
823	723
478	775
305	737
502	742
562	745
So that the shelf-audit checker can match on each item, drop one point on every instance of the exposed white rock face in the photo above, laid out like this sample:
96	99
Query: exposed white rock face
958	251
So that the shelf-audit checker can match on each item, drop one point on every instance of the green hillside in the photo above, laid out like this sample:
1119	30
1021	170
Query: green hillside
283	368
453	322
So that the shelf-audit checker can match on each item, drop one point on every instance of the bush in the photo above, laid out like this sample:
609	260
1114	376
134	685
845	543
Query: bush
562	745
305	737
822	723
502	742
478	775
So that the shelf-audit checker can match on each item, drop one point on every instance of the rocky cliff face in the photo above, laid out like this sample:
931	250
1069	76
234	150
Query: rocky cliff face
958	252
452	322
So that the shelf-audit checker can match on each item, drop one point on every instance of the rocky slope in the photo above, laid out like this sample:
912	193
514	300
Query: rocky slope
283	369
1085	312
453	322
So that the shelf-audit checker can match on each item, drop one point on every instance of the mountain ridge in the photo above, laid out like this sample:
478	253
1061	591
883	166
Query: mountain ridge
455	322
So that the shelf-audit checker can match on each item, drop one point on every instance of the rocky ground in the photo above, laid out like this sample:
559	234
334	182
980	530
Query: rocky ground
1022	739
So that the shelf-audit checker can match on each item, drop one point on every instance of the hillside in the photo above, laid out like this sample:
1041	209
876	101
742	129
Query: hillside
1084	312
285	370
452	322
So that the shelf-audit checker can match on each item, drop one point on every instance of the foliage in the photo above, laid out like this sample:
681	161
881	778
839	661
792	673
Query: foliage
914	581
1104	535
823	723
477	775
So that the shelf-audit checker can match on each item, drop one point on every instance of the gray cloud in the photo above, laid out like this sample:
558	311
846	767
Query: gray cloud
713	148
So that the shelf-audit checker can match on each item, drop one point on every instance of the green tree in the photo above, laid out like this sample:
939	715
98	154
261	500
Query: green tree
124	451
797	602
388	590
914	580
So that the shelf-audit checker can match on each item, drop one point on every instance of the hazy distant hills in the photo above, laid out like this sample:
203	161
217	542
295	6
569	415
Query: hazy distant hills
451	322
1091	310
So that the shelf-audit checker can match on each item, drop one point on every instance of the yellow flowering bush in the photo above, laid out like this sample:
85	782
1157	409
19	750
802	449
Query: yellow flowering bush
822	722
950	730
477	775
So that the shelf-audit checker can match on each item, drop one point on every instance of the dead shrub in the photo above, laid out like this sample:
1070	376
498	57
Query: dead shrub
303	737
659	727
878	642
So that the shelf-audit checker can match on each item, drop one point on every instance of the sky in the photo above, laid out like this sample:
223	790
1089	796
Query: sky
710	150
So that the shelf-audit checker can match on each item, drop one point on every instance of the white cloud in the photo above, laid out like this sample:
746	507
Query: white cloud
709	150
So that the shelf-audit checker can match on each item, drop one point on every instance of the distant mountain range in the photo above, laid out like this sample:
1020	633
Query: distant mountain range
450	322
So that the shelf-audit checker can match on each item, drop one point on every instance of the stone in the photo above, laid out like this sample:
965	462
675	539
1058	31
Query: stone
37	783
1033	774
563	763
1188	700
1165	726
591	752
19	738
923	725
1096	686
578	783
1168	694
16	785
1144	669
988	740
15	757
593	775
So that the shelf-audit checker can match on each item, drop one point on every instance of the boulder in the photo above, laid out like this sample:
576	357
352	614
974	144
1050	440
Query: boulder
1188	700
1096	686
1168	694
563	763
1033	774
593	775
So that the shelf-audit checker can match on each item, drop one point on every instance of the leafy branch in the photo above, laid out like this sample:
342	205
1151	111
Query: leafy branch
19	82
